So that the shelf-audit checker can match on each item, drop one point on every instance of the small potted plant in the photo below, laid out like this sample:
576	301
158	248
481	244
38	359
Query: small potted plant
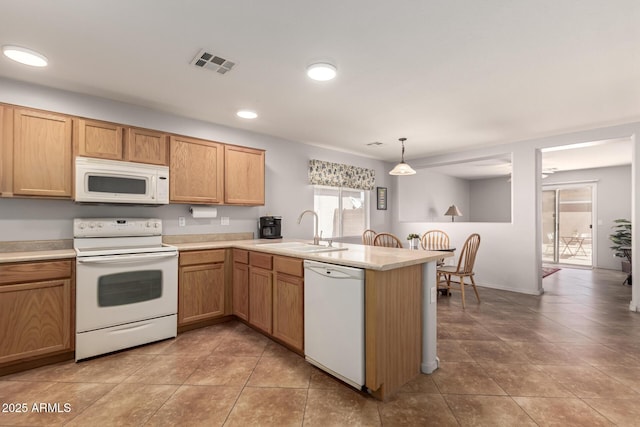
621	238
414	240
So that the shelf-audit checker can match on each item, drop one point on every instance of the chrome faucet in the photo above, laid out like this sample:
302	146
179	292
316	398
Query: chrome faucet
316	238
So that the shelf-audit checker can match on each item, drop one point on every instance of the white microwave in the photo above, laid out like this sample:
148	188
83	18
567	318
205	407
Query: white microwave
113	181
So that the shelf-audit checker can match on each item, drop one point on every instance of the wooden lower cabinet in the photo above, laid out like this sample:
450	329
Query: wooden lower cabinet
260	298
268	292
241	284
288	309
201	286
36	310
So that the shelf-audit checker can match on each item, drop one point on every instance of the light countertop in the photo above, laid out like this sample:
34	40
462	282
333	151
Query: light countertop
361	256
43	255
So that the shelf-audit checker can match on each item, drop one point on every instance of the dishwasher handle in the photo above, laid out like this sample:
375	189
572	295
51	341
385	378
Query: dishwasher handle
334	273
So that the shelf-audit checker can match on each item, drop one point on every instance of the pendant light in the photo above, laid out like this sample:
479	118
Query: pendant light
402	168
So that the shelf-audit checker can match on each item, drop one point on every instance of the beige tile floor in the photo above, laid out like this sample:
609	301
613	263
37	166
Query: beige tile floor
569	358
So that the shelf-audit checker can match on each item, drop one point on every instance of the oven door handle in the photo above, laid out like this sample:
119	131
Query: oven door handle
125	259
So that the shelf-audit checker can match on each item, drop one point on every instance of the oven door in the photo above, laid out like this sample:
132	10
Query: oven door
116	289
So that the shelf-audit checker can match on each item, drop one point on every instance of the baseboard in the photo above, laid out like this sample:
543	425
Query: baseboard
25	365
504	288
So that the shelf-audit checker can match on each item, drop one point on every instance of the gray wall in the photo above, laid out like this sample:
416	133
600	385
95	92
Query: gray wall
490	200
287	190
427	195
613	201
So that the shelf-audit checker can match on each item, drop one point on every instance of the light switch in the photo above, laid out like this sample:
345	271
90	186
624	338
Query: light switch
434	295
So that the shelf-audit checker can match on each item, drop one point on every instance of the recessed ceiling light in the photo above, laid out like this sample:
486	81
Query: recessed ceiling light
247	114
321	71
25	56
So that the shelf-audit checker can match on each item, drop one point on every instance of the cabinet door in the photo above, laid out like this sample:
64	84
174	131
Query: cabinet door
99	139
6	151
35	319
243	176
196	171
260	298
146	146
41	154
241	290
201	293
288	310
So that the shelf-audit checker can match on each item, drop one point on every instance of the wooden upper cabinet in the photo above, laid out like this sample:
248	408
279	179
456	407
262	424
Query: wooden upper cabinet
243	175
196	171
146	146
112	141
40	145
98	139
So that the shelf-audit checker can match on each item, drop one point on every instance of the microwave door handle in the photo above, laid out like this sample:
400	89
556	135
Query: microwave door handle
124	259
154	189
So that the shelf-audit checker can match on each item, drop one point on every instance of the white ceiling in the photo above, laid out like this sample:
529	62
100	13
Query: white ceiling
447	75
586	155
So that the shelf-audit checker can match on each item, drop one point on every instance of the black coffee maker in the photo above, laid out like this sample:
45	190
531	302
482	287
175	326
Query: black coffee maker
270	227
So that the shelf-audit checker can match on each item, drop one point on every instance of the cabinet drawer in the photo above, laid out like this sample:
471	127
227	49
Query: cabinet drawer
201	257
257	259
34	271
292	266
241	256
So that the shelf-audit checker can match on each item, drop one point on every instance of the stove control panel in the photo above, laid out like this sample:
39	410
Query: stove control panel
114	227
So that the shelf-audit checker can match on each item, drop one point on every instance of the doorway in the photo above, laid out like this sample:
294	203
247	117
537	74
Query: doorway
567	224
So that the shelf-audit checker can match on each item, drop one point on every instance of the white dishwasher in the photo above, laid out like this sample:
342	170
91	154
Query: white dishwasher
334	320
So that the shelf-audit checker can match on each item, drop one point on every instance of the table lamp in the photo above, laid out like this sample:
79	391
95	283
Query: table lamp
453	211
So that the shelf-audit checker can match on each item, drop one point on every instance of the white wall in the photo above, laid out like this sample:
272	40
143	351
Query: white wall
490	200
613	201
510	253
287	190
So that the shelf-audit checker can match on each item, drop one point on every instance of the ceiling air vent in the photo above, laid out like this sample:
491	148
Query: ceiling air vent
374	144
212	62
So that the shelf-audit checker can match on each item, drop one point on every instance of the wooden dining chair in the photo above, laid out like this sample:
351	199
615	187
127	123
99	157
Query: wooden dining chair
387	240
434	240
463	269
368	236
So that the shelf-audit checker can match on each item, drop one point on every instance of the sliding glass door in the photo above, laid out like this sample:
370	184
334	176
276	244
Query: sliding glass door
567	224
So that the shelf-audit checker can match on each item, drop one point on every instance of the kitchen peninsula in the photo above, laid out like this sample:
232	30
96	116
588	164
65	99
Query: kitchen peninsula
400	304
400	292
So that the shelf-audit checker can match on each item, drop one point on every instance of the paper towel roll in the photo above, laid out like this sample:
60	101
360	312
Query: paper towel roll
203	211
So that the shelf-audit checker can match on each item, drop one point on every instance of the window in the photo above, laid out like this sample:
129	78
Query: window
342	212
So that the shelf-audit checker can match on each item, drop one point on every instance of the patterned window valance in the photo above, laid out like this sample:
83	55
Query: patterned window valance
341	175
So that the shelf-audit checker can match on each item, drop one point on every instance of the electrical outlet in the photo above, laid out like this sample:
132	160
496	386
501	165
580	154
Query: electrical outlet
181	221
224	220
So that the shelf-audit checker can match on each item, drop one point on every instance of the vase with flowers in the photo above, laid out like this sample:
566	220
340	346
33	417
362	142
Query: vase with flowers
414	240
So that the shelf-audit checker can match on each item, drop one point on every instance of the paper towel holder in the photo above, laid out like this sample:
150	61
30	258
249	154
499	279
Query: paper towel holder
203	211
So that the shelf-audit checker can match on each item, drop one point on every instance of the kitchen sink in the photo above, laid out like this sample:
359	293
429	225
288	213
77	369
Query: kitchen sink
302	247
